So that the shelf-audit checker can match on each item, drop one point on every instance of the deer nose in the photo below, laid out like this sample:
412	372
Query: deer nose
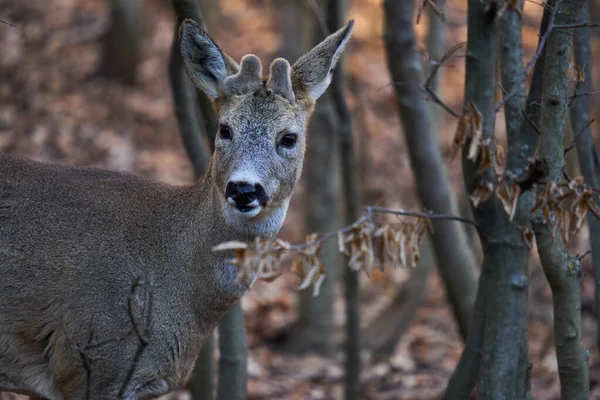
246	196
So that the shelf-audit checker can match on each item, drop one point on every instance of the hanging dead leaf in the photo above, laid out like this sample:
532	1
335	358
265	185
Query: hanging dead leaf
469	126
482	193
500	155
509	196
361	252
577	74
307	265
460	136
527	236
485	157
475	130
260	258
545	200
594	207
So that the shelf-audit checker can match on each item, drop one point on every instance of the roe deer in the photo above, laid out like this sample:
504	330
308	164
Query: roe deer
73	240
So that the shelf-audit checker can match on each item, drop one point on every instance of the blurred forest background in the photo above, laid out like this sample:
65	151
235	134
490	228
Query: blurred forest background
59	102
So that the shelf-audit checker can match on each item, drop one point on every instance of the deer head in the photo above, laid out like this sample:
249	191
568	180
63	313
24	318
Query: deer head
259	149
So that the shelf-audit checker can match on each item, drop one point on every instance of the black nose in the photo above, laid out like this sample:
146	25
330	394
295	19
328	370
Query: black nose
244	193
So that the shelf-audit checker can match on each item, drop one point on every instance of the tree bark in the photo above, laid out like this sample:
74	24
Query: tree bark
335	18
314	329
194	111
584	143
498	346
313	332
456	263
385	331
121	53
186	110
233	356
563	272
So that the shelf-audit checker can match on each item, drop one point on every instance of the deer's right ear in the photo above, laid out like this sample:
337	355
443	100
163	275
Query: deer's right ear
312	73
206	65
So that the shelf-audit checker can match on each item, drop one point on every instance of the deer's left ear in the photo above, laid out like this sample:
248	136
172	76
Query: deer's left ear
206	65
311	74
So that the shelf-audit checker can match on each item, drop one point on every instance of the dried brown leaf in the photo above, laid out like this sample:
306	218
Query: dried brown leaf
482	193
500	155
509	196
527	236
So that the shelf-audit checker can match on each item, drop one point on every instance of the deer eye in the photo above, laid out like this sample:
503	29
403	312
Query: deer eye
288	140
225	132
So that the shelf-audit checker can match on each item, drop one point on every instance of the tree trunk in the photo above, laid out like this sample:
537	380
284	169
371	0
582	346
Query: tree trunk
497	349
563	271
233	356
385	331
335	18
313	332
456	263
121	54
586	149
195	110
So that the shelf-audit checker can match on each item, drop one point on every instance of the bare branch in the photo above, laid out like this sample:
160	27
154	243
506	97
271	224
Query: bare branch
426	215
572	145
142	332
572	26
320	15
431	78
531	62
8	23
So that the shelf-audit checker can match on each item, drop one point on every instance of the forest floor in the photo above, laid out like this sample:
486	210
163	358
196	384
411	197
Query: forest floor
54	108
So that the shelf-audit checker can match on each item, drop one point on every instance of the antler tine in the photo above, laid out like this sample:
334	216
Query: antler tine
248	79
280	81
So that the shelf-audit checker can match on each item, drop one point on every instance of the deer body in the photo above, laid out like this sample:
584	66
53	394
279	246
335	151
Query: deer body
74	241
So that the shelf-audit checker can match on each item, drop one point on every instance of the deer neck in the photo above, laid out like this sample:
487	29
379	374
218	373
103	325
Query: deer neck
212	280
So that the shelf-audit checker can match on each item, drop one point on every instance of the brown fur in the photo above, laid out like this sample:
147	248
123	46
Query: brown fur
73	241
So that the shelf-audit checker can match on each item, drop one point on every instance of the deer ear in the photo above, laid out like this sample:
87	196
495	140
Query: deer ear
312	73
206	65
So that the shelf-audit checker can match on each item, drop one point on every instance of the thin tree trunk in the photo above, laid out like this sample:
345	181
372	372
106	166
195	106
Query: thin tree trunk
186	110
385	331
335	18
584	143
313	332
121	54
202	380
493	355
197	121
233	356
563	272
456	263
314	328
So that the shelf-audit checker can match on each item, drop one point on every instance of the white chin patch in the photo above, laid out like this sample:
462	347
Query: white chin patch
248	211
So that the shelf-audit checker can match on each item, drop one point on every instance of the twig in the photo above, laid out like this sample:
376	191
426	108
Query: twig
427	87
576	95
423	5
580	257
143	334
8	23
434	97
572	145
572	26
417	214
320	15
530	122
531	62
374	209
